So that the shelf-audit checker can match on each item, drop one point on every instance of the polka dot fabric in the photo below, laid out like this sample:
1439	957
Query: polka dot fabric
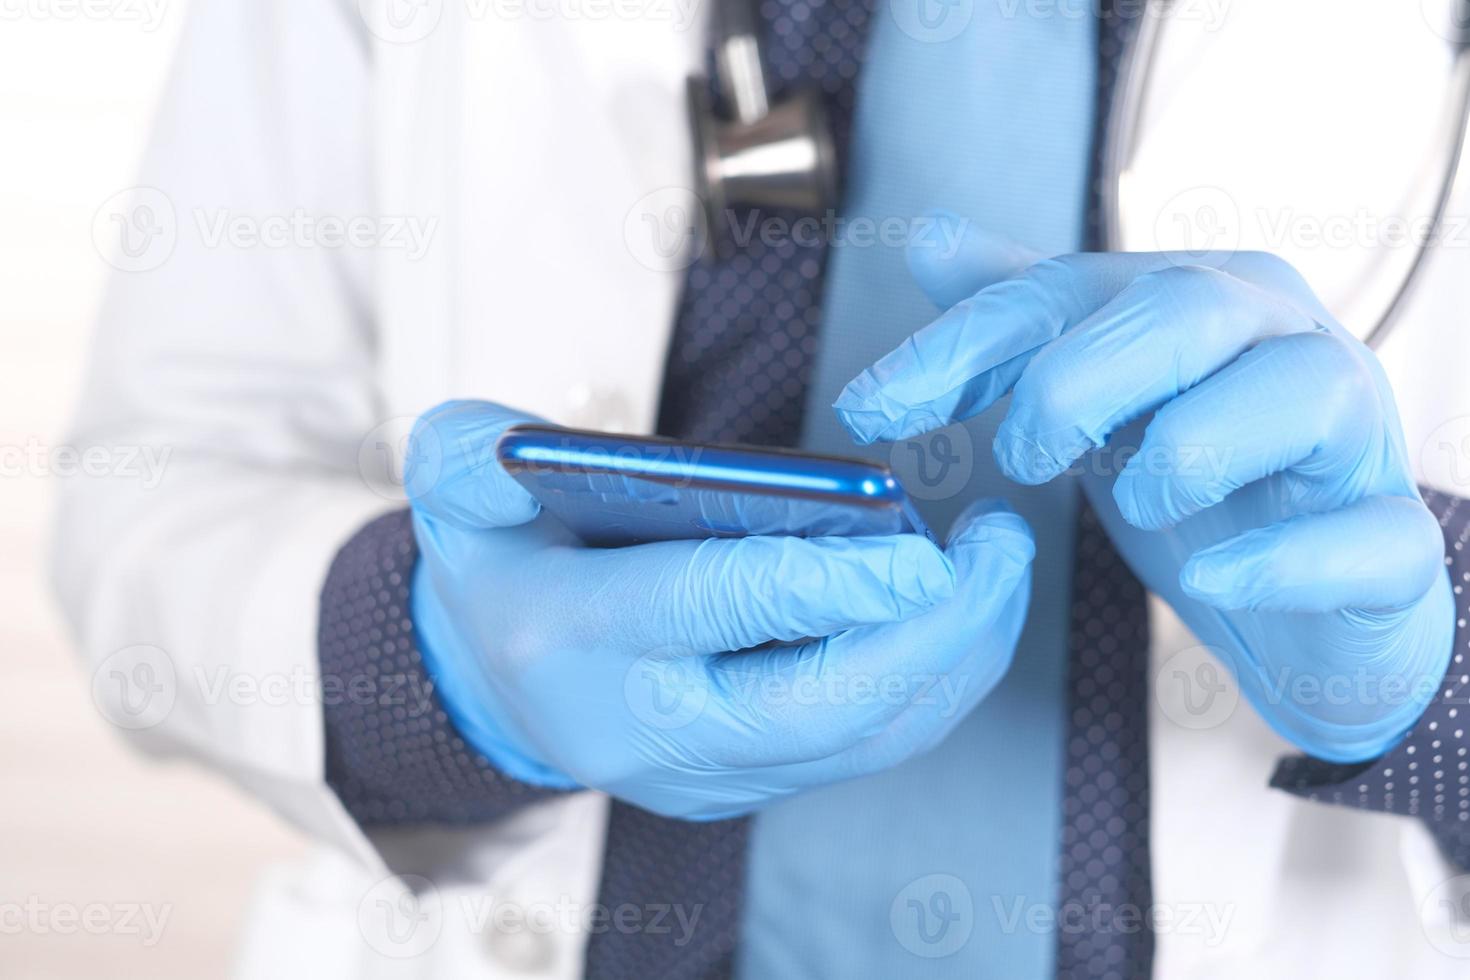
746	334
652	862
1104	861
1428	774
394	758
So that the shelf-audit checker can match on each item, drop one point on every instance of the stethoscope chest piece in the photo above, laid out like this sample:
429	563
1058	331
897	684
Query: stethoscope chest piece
784	159
766	156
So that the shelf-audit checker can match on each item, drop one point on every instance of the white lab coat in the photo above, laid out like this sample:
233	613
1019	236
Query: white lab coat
274	375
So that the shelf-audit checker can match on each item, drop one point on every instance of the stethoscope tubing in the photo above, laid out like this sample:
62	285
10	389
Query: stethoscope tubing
1121	137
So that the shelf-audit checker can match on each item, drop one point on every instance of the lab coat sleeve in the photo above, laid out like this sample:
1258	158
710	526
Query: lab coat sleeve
1428	774
241	363
393	755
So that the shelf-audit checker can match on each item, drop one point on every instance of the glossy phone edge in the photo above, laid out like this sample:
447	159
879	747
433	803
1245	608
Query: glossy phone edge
524	448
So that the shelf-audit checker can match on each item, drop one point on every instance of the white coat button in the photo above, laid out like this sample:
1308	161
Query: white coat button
593	407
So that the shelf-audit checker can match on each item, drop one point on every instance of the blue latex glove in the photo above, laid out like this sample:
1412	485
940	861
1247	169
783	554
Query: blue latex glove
1268	495
611	668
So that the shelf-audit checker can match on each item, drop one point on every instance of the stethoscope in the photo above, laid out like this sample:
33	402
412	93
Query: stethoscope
766	156
781	155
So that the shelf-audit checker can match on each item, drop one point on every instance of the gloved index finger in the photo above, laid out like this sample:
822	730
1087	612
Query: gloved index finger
451	471
972	355
951	258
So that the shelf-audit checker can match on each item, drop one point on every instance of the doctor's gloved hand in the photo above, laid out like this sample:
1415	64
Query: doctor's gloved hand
1242	448
630	670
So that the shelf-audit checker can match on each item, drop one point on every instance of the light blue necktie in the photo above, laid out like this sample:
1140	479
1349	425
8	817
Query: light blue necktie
984	109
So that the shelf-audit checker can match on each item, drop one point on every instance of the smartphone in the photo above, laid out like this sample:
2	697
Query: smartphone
614	490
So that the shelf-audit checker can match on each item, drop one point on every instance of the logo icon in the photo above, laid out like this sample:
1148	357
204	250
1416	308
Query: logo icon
932	21
401	916
936	465
666	689
136	230
398	460
401	21
1194	691
933	916
1445	915
135	688
1445	456
666	230
1198	223
1450	19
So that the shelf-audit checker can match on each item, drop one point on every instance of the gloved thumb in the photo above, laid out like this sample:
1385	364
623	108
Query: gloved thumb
990	536
451	471
951	259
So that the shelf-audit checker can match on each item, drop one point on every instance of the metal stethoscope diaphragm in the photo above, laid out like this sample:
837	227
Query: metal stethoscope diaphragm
763	155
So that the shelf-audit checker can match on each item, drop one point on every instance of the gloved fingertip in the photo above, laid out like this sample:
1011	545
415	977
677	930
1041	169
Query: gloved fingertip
932	255
452	472
951	259
880	579
932	574
870	415
1213	577
1139	502
1022	459
1125	496
992	521
982	508
464	500
938	227
854	410
499	502
864	427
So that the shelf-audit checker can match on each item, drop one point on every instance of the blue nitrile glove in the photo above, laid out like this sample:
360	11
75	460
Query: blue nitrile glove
612	668
1266	493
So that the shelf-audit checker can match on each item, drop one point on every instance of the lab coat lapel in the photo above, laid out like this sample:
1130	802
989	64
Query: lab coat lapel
547	150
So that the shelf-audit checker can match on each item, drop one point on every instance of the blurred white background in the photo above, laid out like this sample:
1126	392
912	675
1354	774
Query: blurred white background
83	820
